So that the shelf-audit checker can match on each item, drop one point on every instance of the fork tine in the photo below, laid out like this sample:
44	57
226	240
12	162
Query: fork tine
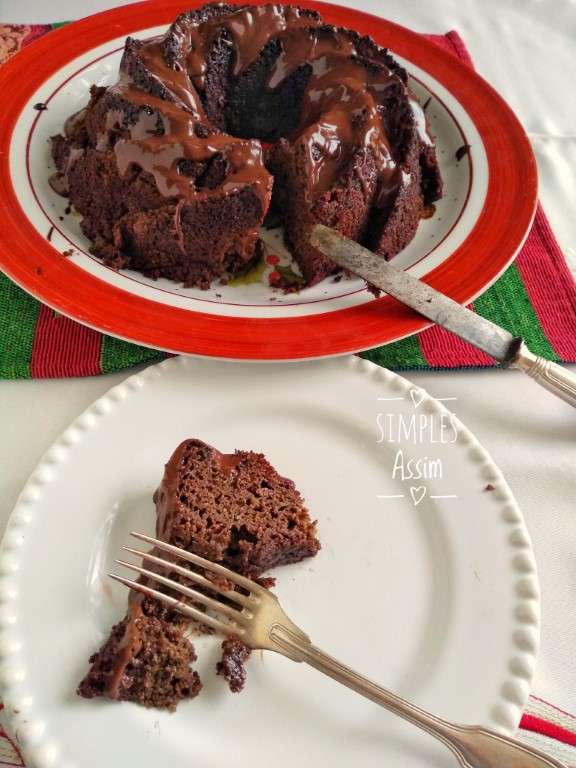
198	578
200	597
184	608
208	565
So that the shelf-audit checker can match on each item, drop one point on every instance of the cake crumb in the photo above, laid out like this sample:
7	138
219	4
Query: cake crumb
231	666
463	151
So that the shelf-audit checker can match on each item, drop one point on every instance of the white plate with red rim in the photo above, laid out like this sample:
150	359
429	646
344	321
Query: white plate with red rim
426	580
476	231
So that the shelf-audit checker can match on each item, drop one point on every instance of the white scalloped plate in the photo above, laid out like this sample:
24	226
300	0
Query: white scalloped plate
427	584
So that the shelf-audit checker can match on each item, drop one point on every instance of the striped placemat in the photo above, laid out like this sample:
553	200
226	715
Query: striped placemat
535	298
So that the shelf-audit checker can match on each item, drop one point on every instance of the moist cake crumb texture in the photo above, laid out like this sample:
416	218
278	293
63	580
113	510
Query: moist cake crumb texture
234	509
145	661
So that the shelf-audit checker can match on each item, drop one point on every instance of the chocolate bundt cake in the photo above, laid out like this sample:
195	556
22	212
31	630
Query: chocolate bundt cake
233	509
235	108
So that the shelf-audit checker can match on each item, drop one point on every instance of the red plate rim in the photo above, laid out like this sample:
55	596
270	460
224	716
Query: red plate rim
495	239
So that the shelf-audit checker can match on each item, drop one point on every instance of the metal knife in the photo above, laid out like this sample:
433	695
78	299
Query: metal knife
506	349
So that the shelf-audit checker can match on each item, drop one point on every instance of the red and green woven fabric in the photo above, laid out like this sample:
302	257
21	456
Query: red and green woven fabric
535	298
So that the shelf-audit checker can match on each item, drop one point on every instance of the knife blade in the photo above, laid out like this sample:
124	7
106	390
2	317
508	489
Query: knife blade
508	350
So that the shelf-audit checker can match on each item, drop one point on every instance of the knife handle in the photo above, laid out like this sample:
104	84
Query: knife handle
556	379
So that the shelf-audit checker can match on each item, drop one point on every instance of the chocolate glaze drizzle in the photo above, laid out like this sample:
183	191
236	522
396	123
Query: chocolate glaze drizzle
250	28
342	109
128	648
161	154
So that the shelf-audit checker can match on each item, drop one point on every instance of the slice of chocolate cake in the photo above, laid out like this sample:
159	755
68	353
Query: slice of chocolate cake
233	509
145	660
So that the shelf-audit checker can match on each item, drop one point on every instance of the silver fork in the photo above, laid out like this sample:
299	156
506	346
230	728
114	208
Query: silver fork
254	615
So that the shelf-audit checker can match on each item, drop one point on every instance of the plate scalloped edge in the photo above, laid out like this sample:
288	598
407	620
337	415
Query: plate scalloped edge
29	729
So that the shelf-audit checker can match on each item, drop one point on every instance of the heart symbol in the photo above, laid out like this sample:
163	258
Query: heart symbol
417	494
417	396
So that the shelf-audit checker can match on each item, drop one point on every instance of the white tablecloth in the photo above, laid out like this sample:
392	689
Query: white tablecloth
526	50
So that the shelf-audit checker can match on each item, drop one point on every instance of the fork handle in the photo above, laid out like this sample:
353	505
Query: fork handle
475	747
